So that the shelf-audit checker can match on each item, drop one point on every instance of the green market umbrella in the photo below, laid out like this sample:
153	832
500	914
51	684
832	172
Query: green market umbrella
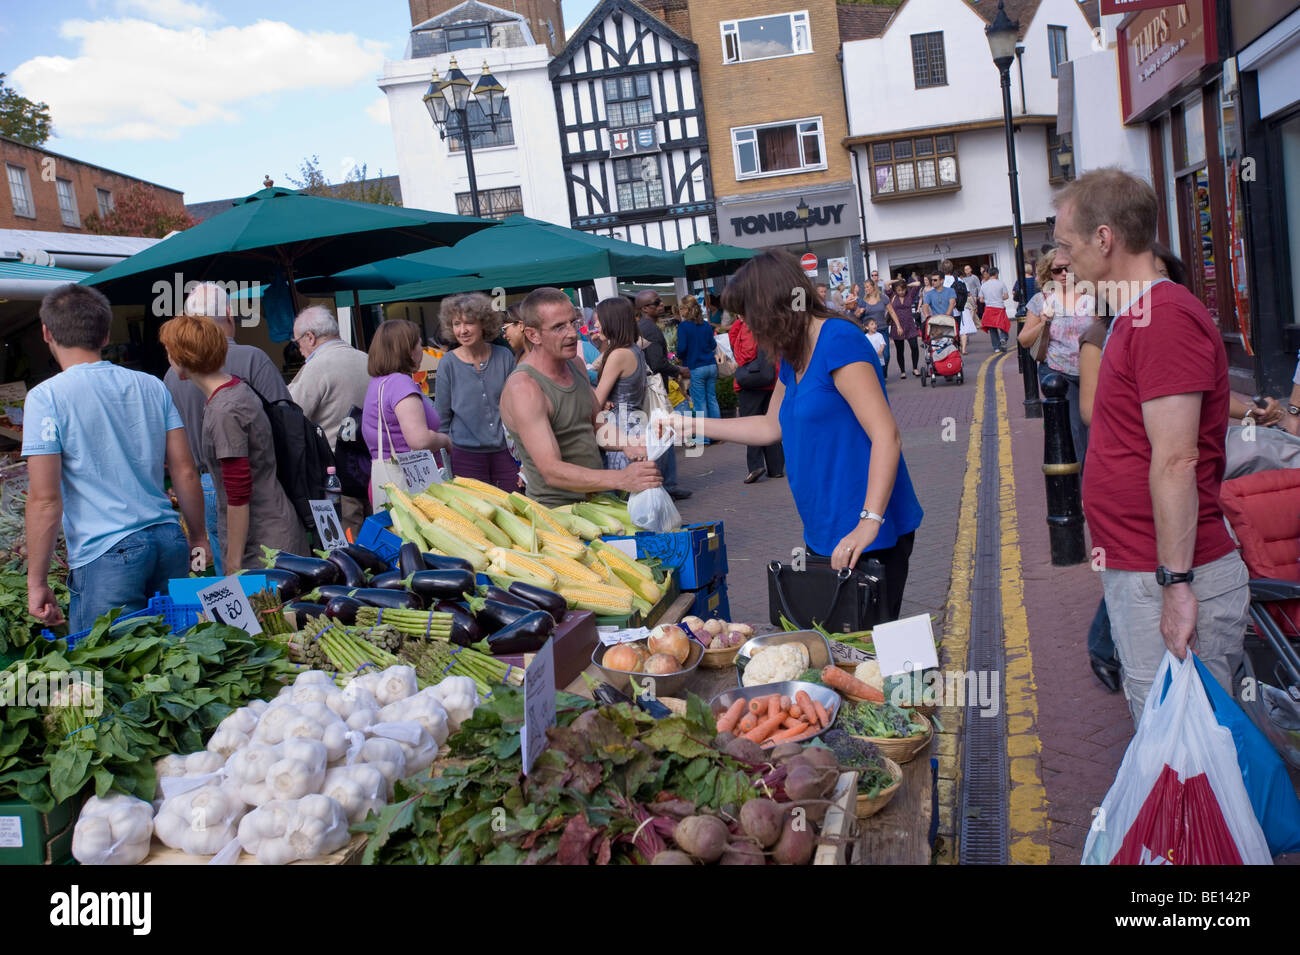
713	259
280	232
523	253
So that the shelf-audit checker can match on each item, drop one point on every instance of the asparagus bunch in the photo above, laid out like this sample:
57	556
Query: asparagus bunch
425	624
438	659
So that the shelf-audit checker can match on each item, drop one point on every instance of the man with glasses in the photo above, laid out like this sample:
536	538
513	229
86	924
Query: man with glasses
549	410
248	363
649	306
939	299
331	382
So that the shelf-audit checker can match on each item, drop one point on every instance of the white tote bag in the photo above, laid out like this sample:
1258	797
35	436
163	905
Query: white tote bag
384	469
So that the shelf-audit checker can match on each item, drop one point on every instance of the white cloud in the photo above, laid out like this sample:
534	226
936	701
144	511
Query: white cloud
378	111
138	81
171	13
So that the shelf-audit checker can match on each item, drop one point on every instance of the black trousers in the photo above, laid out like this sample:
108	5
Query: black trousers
895	561
771	458
916	355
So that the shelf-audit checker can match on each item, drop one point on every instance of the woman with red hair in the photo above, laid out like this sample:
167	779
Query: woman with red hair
236	440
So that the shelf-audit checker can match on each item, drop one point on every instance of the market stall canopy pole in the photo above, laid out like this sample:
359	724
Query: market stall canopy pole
301	234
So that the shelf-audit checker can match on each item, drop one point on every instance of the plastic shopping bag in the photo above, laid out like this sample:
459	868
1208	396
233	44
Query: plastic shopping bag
1179	798
653	510
1267	784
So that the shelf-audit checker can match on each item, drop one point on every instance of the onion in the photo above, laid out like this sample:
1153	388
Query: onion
715	627
623	658
661	664
734	639
671	640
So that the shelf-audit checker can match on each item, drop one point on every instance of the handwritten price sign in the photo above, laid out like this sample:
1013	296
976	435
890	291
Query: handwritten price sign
420	469
225	602
327	524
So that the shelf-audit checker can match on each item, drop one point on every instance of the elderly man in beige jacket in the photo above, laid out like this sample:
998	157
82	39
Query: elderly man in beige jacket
332	379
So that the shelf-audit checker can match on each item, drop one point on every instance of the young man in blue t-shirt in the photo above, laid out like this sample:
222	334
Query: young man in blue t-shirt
96	437
938	300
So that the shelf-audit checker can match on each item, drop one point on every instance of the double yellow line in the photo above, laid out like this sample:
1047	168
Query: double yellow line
1027	798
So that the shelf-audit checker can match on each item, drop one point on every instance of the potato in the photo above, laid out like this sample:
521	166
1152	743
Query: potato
704	837
743	853
797	842
761	819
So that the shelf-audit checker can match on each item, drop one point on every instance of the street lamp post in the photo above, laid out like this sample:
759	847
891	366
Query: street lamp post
448	99
801	210
1002	37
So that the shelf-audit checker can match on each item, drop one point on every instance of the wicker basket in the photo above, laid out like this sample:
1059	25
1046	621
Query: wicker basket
870	805
719	659
901	750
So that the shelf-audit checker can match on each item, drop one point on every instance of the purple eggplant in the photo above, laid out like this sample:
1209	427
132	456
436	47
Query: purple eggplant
303	611
548	600
464	628
388	580
440	562
435	585
343	609
330	591
494	615
286	585
493	592
528	634
387	599
409	559
367	558
352	573
313	571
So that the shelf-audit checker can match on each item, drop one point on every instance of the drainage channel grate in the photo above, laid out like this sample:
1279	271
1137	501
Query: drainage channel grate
984	781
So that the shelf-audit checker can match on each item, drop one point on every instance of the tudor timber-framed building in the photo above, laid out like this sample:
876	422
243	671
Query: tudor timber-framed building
631	116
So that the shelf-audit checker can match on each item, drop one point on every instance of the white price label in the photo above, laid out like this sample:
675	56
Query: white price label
539	703
905	645
226	602
843	653
420	469
328	528
11	832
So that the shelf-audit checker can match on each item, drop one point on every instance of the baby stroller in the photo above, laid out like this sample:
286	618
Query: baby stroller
942	356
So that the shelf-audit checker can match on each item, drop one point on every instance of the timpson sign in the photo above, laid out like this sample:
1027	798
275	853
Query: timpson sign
1163	50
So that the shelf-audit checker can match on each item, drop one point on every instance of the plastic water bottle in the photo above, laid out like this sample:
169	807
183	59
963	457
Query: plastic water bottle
334	490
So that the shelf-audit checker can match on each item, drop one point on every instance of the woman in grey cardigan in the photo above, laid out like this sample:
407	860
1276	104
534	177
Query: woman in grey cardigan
467	391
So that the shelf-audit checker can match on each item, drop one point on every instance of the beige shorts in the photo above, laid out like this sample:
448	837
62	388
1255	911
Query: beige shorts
1134	601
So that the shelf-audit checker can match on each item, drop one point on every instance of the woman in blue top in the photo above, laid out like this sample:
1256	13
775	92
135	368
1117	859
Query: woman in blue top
843	451
695	350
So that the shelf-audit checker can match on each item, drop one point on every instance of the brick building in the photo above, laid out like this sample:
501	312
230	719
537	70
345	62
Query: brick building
49	192
545	20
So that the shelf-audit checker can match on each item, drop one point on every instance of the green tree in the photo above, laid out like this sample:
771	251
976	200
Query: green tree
355	186
22	119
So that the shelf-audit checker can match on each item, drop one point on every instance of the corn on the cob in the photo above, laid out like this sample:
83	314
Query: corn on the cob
494	534
567	546
488	492
582	598
615	558
578	526
539	514
599	517
407	523
436	512
519	530
511	563
450	494
435	533
569	570
601	568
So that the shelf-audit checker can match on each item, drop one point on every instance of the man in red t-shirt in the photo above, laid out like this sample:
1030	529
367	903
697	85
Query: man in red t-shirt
1156	449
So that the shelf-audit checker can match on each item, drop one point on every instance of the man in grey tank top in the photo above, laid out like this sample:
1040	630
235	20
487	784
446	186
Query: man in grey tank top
549	410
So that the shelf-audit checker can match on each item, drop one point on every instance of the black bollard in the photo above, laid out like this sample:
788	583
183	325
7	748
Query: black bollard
1061	470
1029	373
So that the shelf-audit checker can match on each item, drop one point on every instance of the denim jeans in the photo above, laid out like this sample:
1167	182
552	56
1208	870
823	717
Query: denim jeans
212	517
704	391
1078	430
667	464
999	338
1100	642
128	574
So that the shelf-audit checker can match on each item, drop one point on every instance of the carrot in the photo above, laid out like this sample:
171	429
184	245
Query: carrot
806	704
849	685
758	705
799	728
727	722
785	702
747	723
765	729
774	706
796	711
790	721
823	717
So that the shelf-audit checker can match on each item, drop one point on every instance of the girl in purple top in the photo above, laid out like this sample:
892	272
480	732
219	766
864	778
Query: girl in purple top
410	422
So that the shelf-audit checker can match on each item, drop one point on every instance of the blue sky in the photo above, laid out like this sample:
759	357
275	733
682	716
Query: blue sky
208	96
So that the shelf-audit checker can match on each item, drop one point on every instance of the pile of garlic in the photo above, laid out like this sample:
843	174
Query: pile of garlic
283	780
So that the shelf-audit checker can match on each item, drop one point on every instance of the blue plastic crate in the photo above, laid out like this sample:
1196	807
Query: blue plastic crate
711	601
185	590
698	552
180	617
376	535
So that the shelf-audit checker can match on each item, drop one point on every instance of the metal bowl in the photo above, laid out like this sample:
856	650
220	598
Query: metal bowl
822	694
819	651
671	684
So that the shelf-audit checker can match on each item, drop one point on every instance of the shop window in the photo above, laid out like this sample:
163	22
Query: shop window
67	202
1193	138
778	148
917	165
482	130
104	199
20	191
1057	47
492	203
1056	173
929	68
638	183
628	101
763	38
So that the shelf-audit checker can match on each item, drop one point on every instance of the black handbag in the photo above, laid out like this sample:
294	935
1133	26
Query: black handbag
352	457
844	601
757	374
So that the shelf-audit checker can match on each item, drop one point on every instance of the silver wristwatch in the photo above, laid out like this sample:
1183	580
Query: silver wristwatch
871	516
